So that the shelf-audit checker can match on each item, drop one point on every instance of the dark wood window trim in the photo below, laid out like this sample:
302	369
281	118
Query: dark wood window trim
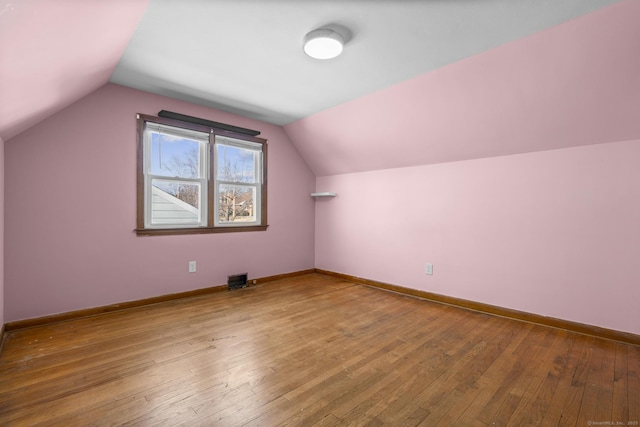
210	228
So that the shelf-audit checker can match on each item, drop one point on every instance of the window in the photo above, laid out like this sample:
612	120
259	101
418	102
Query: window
197	179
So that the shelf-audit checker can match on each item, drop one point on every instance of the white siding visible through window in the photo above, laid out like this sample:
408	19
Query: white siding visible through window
167	209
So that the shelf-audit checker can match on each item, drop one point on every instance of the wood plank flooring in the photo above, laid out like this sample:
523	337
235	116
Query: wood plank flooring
312	351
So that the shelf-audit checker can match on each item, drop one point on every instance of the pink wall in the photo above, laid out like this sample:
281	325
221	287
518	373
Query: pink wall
71	211
554	233
1	231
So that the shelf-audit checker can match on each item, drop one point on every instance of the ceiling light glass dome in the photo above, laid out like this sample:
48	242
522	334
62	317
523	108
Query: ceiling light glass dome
323	44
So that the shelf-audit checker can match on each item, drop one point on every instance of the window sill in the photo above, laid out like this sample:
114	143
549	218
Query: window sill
199	230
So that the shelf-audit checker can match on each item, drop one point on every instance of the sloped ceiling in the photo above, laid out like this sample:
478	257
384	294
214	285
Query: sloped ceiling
437	80
53	53
574	84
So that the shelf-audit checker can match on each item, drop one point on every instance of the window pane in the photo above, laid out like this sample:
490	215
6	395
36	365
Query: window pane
174	156
236	203
174	202
236	164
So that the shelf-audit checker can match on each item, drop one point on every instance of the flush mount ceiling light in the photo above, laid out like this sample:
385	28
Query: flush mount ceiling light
323	44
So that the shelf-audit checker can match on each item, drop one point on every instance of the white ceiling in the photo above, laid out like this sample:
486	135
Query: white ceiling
245	56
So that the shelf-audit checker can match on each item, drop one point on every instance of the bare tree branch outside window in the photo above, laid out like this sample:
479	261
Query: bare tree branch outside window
185	165
236	202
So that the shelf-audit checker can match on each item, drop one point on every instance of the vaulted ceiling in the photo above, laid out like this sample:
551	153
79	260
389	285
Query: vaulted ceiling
52	53
419	81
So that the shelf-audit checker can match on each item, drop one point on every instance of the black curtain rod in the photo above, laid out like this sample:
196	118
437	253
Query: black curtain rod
210	123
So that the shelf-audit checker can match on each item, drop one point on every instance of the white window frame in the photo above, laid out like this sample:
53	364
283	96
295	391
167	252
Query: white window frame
203	139
256	185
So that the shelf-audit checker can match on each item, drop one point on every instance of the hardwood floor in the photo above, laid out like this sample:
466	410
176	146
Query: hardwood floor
313	350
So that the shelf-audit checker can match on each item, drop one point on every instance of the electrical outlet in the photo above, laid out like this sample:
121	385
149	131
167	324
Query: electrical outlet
192	266
429	269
